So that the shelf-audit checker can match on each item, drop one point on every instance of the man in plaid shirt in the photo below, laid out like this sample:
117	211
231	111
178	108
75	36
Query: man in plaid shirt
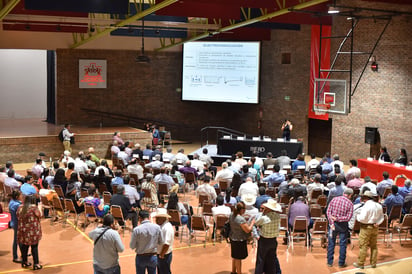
339	212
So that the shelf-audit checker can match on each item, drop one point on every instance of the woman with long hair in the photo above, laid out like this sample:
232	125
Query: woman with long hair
403	157
14	204
229	199
239	233
60	179
235	184
174	203
29	231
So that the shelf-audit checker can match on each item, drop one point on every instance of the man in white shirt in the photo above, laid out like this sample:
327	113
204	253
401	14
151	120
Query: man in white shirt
220	209
131	192
248	187
313	163
103	164
225	174
370	217
11	181
37	169
336	161
156	163
135	168
206	189
168	156
80	165
198	164
368	183
165	249
164	178
181	157
316	184
353	169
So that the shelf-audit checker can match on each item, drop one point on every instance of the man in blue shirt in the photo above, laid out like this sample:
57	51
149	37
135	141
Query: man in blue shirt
262	198
118	179
27	188
275	177
406	189
387	182
393	199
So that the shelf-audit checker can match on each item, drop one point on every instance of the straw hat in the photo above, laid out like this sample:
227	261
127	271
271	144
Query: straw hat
369	194
273	205
161	212
248	199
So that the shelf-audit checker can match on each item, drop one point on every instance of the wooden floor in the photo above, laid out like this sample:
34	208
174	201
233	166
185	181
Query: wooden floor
69	250
37	127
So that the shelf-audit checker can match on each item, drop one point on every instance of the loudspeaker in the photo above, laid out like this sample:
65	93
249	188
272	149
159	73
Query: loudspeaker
371	135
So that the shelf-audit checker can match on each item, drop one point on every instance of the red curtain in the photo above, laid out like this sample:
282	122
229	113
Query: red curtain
314	64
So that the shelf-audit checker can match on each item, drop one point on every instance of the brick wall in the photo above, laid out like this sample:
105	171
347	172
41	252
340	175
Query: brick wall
149	90
383	99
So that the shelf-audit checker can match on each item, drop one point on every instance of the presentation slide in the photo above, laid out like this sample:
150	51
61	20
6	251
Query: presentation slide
221	72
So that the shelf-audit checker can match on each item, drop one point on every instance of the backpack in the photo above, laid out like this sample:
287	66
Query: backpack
225	232
61	138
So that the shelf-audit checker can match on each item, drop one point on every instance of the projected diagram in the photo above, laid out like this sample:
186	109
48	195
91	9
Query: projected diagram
223	71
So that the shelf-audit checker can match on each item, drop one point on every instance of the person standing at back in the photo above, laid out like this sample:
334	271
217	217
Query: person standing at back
286	129
370	217
107	245
66	137
145	239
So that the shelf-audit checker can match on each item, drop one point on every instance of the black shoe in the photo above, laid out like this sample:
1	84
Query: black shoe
37	267
25	265
17	261
343	265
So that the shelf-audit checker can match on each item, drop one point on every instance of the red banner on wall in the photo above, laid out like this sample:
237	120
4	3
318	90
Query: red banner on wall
314	64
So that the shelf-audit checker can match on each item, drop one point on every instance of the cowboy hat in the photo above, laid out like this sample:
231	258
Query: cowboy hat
273	205
248	199
369	194
161	212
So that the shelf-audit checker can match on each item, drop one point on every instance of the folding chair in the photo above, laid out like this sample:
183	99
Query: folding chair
163	189
395	214
175	220
58	207
84	193
190	179
117	213
315	194
59	191
107	196
199	224
322	201
70	209
284	199
320	228
386	192
315	211
47	205
218	224
223	185
405	226
384	229
114	189
202	199
271	192
207	209
300	226
102	187
89	211
284	226
147	200
355	231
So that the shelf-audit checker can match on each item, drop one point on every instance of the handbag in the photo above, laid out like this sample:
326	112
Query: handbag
225	232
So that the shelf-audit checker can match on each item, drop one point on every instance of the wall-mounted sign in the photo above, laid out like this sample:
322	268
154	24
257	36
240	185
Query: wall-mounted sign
92	73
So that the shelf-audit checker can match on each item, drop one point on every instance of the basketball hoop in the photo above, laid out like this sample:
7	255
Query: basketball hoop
321	109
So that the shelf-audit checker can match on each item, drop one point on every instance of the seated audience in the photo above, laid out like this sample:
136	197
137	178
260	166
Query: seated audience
262	198
386	182
98	204
123	201
393	199
206	189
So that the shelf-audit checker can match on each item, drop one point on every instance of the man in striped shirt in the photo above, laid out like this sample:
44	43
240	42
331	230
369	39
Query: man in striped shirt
339	213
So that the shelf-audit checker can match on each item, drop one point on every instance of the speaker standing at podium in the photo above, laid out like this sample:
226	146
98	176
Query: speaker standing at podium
287	128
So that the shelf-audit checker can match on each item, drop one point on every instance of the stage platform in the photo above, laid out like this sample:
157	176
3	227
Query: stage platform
21	140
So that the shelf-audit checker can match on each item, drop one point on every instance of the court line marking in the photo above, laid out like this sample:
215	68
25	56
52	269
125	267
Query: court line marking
379	264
